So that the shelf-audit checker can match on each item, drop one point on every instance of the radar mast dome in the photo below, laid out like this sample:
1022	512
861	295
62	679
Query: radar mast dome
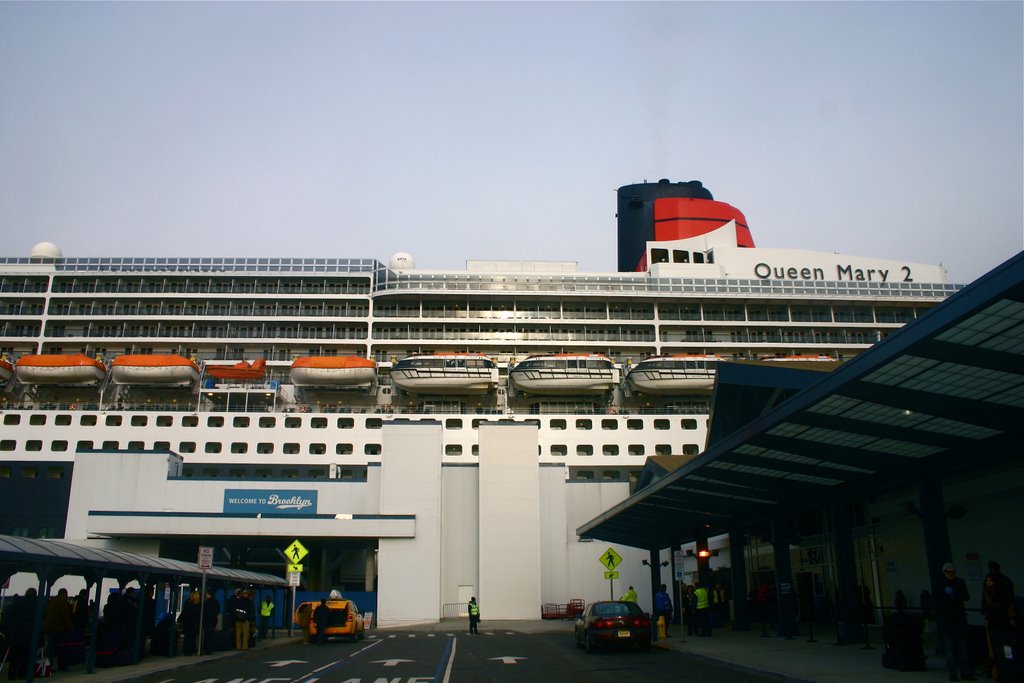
46	250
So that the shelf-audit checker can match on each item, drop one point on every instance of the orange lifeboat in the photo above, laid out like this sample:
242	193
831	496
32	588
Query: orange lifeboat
6	370
239	371
321	371
153	369
74	368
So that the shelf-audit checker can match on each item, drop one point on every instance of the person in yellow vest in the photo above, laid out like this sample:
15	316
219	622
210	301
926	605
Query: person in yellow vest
700	594
266	614
629	596
474	616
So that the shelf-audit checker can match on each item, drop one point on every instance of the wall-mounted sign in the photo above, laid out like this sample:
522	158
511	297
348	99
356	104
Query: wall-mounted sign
262	501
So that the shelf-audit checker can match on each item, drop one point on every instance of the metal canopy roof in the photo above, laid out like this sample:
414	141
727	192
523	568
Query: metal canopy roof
942	393
19	554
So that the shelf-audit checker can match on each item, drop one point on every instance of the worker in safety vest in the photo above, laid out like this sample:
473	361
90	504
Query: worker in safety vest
266	613
474	616
703	600
629	596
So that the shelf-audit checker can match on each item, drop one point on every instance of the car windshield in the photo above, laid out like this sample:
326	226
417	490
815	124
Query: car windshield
612	609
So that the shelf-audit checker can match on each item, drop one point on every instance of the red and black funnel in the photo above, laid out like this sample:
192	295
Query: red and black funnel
662	211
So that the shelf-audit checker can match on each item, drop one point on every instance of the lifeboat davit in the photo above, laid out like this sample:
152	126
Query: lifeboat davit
333	371
674	374
154	369
445	373
74	368
242	371
564	374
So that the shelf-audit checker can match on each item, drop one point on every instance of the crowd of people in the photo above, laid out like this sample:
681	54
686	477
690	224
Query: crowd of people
66	624
950	598
66	620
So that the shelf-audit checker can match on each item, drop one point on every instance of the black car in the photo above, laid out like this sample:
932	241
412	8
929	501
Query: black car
613	622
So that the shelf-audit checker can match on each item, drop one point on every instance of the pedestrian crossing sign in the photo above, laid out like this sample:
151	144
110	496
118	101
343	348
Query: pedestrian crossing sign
295	552
610	559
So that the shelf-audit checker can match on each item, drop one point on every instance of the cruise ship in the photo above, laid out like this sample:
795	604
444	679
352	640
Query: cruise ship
143	397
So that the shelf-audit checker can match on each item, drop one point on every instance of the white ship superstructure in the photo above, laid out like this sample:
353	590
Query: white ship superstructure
488	345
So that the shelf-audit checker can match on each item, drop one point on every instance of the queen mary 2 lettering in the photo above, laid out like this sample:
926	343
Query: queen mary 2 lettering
841	273
716	254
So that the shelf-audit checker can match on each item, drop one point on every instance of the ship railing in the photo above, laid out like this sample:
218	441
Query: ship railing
384	410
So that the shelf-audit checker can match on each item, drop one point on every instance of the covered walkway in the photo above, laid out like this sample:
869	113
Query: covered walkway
937	400
50	560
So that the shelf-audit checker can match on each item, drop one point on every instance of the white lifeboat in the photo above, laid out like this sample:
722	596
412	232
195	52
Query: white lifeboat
74	368
564	374
167	369
445	373
326	371
674	374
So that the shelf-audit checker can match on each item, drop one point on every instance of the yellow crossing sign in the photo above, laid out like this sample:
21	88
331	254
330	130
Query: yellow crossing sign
611	575
293	567
609	558
296	551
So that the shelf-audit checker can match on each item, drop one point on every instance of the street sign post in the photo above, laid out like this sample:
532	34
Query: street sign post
205	560
610	559
294	554
205	563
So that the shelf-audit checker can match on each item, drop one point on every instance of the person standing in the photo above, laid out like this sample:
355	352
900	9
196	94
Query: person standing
17	624
688	604
997	608
266	614
56	622
211	612
189	620
719	606
951	597
321	617
244	616
663	607
474	616
80	612
703	600
629	596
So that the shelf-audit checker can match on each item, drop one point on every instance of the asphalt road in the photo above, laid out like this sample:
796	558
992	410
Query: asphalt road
497	656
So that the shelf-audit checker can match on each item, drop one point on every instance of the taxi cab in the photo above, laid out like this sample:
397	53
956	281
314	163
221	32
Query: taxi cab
343	618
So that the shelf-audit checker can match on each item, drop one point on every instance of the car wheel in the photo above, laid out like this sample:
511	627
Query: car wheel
589	644
645	646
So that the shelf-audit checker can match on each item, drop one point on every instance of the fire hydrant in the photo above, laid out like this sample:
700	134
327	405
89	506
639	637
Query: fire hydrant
661	628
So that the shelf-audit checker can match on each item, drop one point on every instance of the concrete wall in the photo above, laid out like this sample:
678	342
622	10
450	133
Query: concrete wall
460	535
510	526
409	569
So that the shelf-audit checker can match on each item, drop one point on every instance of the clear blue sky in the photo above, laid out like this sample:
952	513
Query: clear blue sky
501	130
